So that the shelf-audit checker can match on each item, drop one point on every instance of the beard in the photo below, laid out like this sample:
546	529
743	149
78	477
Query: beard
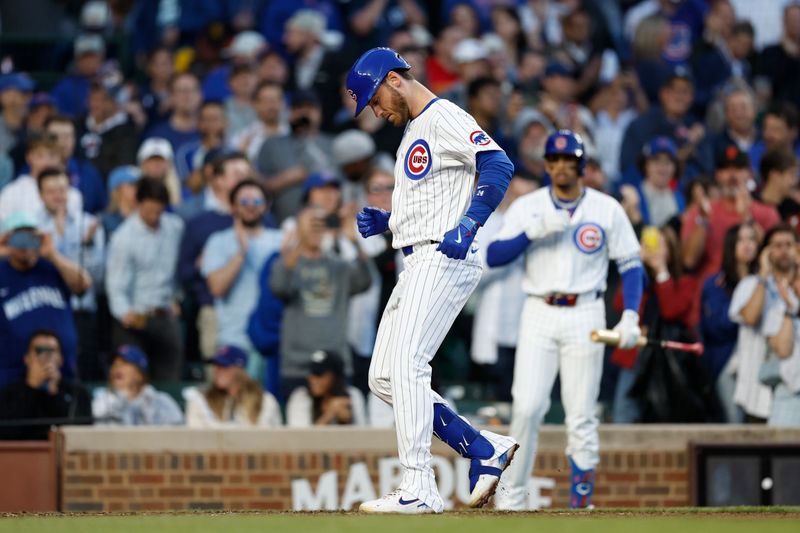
400	113
254	223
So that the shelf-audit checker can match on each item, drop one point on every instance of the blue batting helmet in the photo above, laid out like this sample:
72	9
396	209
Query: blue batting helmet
569	143
368	71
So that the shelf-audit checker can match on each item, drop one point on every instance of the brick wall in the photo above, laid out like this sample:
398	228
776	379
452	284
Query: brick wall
132	469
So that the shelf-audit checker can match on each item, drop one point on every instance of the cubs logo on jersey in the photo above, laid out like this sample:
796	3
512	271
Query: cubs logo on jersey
479	138
589	237
418	160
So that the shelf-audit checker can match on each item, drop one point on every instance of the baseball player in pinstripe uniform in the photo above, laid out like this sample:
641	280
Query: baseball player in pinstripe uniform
437	207
568	233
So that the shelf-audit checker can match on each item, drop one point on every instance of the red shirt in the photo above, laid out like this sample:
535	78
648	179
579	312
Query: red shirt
723	217
439	78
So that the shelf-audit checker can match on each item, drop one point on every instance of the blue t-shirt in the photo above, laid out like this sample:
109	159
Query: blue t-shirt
176	138
29	301
233	310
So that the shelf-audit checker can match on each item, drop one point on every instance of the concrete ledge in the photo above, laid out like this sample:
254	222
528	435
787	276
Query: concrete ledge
339	439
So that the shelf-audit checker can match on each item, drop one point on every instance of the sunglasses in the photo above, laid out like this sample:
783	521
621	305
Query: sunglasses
42	351
251	202
379	189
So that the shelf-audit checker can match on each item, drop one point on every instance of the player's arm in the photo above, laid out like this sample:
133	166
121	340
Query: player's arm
495	172
624	250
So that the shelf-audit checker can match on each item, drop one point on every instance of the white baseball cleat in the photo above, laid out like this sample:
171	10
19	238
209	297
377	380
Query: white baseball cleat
484	474
399	502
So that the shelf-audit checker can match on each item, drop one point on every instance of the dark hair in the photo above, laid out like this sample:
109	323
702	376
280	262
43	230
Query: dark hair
249	182
218	164
783	227
338	389
404	73
148	188
157	50
58	119
478	84
785	111
520	42
743	26
776	161
43	332
730	274
40	141
49	172
240	68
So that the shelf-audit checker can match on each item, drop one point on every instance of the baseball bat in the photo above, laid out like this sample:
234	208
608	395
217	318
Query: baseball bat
608	336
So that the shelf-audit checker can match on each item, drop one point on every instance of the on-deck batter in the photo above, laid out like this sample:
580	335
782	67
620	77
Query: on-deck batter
436	210
568	234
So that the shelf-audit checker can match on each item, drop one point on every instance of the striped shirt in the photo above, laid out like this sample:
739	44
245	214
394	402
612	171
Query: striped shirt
435	173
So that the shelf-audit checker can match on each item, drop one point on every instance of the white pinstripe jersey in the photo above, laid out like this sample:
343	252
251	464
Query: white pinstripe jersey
435	173
575	261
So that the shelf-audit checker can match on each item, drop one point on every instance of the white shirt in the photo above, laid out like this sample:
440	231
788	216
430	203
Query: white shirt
608	134
500	300
200	415
576	260
751	345
434	173
22	194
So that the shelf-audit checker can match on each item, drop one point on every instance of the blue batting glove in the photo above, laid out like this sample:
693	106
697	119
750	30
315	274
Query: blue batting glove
457	241
372	221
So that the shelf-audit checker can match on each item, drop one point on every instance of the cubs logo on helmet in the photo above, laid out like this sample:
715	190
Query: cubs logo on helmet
589	237
418	160
566	142
480	138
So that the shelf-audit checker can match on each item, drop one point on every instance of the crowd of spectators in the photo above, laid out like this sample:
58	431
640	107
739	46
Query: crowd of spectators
184	192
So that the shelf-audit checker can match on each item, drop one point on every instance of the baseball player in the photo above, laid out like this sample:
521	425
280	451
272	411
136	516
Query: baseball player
568	234
436	209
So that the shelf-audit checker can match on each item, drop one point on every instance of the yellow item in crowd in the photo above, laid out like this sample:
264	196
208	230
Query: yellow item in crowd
184	58
650	238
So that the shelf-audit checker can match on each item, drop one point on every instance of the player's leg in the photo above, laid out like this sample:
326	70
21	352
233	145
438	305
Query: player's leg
380	364
581	371
535	370
435	289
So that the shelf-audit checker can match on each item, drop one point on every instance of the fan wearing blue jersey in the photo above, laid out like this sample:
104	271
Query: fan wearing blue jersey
437	207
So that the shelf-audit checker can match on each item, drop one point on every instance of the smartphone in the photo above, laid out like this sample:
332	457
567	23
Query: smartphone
332	221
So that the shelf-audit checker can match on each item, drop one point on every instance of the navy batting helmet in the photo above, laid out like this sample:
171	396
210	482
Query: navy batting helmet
368	71
569	143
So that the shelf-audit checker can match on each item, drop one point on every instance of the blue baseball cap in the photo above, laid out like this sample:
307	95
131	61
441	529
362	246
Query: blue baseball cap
320	179
556	68
228	356
16	80
660	145
123	174
133	355
41	99
678	72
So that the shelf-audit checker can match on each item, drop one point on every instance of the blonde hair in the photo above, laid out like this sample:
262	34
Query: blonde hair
251	397
647	40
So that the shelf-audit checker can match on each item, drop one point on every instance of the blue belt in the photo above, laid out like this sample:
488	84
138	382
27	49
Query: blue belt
408	250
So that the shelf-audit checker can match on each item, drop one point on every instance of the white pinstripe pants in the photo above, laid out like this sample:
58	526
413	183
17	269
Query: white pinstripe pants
431	291
554	340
